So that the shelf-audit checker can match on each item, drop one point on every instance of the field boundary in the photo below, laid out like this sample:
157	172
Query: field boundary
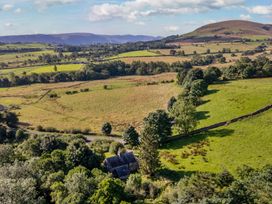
225	123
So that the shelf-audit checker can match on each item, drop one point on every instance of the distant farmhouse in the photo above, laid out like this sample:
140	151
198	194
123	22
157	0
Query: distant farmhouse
122	165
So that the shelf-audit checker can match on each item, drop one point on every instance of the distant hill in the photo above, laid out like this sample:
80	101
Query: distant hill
227	30
76	38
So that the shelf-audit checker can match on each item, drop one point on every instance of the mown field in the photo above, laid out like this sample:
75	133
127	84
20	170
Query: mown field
42	69
126	101
246	142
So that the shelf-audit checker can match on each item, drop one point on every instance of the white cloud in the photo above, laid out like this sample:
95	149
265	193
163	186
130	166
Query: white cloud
7	7
171	28
8	24
141	23
18	10
43	4
133	9
261	10
245	17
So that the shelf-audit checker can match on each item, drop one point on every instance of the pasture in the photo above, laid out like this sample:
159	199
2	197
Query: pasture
42	69
141	53
127	100
245	142
167	59
201	48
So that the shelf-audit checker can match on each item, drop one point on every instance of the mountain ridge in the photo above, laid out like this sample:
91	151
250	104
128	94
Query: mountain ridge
76	38
227	30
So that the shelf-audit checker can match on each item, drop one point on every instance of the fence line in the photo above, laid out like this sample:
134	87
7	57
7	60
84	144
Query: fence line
234	120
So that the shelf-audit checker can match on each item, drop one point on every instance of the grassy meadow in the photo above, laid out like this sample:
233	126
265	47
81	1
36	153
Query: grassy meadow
42	69
201	48
232	99
245	142
142	53
126	101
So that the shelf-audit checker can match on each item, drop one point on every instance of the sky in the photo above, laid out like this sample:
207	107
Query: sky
148	17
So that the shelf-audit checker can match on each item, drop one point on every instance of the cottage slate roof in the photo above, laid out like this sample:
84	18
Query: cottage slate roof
122	171
125	158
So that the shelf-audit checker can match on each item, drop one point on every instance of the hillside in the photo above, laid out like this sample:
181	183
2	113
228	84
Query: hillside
75	38
227	30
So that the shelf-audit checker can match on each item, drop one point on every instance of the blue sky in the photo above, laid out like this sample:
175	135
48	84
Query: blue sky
152	17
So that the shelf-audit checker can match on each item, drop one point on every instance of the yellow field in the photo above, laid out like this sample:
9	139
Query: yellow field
127	101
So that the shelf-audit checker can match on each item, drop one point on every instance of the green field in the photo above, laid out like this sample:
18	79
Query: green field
245	142
42	69
24	45
127	101
232	99
143	53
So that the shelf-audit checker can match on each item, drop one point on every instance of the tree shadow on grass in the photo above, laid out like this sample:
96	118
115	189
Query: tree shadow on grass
212	91
202	115
172	175
222	82
187	140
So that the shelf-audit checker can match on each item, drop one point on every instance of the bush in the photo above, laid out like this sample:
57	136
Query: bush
20	135
106	129
53	95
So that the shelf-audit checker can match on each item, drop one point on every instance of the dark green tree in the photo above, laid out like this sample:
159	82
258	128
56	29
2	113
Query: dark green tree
184	114
148	149
161	124
131	136
106	129
109	191
212	74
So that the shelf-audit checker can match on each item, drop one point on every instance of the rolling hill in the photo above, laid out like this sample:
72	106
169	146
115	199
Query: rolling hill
226	30
75	38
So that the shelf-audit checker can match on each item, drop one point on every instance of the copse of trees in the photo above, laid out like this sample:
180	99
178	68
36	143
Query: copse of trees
247	68
95	72
247	186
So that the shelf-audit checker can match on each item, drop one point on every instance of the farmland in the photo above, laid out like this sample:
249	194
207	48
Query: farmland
42	69
127	100
245	142
122	103
144	53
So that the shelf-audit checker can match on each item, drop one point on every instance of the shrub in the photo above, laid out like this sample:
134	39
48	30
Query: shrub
20	135
39	128
106	129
